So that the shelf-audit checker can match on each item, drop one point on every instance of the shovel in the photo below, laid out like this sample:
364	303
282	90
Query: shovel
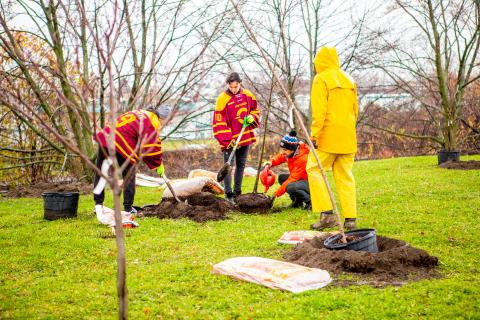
167	182
227	168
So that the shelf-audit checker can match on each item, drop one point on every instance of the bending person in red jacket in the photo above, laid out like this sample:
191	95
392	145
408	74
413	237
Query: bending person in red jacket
137	136
234	106
295	183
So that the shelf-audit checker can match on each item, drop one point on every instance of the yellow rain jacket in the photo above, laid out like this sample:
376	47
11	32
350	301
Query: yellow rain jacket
334	105
334	115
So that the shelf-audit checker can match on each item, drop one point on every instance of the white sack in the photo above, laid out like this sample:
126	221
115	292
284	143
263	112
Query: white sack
298	236
106	216
188	187
274	274
144	180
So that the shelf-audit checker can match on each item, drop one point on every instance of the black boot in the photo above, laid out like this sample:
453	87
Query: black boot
308	206
296	203
230	197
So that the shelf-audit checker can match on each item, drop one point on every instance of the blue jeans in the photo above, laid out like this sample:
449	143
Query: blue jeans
240	158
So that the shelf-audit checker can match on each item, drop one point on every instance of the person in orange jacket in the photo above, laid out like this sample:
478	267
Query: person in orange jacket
295	183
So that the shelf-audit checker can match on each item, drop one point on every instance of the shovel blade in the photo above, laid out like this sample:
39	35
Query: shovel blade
226	169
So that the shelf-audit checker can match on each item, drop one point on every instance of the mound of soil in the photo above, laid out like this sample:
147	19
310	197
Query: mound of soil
254	202
199	207
461	165
395	263
36	190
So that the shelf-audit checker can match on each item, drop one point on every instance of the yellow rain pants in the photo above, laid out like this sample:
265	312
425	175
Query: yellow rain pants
341	165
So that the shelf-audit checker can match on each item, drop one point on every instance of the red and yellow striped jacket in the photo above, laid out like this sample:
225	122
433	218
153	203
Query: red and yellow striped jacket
228	117
137	135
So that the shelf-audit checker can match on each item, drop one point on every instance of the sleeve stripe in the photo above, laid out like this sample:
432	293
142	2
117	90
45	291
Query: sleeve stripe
220	124
244	133
152	154
221	131
247	140
151	145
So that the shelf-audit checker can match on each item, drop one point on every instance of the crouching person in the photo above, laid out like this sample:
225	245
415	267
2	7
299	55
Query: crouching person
295	183
137	136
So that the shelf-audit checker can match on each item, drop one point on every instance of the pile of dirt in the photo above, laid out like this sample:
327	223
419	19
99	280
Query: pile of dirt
200	207
461	165
254	202
36	190
395	263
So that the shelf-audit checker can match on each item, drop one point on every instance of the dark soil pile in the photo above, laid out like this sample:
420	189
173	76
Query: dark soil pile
36	190
461	165
254	202
395	263
200	207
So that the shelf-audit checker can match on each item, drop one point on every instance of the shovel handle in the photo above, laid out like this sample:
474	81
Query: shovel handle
237	142
167	182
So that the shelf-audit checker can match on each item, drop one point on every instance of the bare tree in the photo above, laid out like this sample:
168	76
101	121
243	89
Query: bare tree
161	56
434	59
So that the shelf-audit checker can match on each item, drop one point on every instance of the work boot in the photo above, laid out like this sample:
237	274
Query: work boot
350	224
327	220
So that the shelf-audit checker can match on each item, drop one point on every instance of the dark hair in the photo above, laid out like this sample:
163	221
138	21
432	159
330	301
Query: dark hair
293	133
233	77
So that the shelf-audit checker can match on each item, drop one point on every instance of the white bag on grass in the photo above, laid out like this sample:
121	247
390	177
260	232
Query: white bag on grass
188	187
144	180
106	216
274	274
201	173
298	236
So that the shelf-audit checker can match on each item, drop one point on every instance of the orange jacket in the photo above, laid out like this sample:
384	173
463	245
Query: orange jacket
228	117
296	165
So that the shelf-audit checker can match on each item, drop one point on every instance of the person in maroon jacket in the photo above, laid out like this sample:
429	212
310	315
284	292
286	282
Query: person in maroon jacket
235	106
137	136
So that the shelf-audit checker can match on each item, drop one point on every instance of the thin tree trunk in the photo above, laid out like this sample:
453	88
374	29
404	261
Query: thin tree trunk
122	291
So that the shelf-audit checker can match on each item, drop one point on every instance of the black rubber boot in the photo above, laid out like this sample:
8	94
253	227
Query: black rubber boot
327	220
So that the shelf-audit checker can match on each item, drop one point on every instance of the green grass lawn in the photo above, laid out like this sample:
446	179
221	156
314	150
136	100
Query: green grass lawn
64	270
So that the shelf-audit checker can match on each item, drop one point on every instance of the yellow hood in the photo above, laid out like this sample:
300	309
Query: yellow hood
326	58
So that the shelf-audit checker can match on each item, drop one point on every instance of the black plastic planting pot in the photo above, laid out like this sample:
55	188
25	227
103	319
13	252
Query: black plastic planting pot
444	156
367	241
57	205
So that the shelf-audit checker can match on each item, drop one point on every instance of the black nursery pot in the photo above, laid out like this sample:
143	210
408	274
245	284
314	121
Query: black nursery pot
444	156
57	205
367	241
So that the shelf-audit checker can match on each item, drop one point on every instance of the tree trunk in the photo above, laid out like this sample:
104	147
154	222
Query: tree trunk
122	291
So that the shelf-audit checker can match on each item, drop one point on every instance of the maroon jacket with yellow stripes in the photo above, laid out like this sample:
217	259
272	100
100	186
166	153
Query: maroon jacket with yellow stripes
137	134
228	117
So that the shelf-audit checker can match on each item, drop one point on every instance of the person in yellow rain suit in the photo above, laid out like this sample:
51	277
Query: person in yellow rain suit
334	115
